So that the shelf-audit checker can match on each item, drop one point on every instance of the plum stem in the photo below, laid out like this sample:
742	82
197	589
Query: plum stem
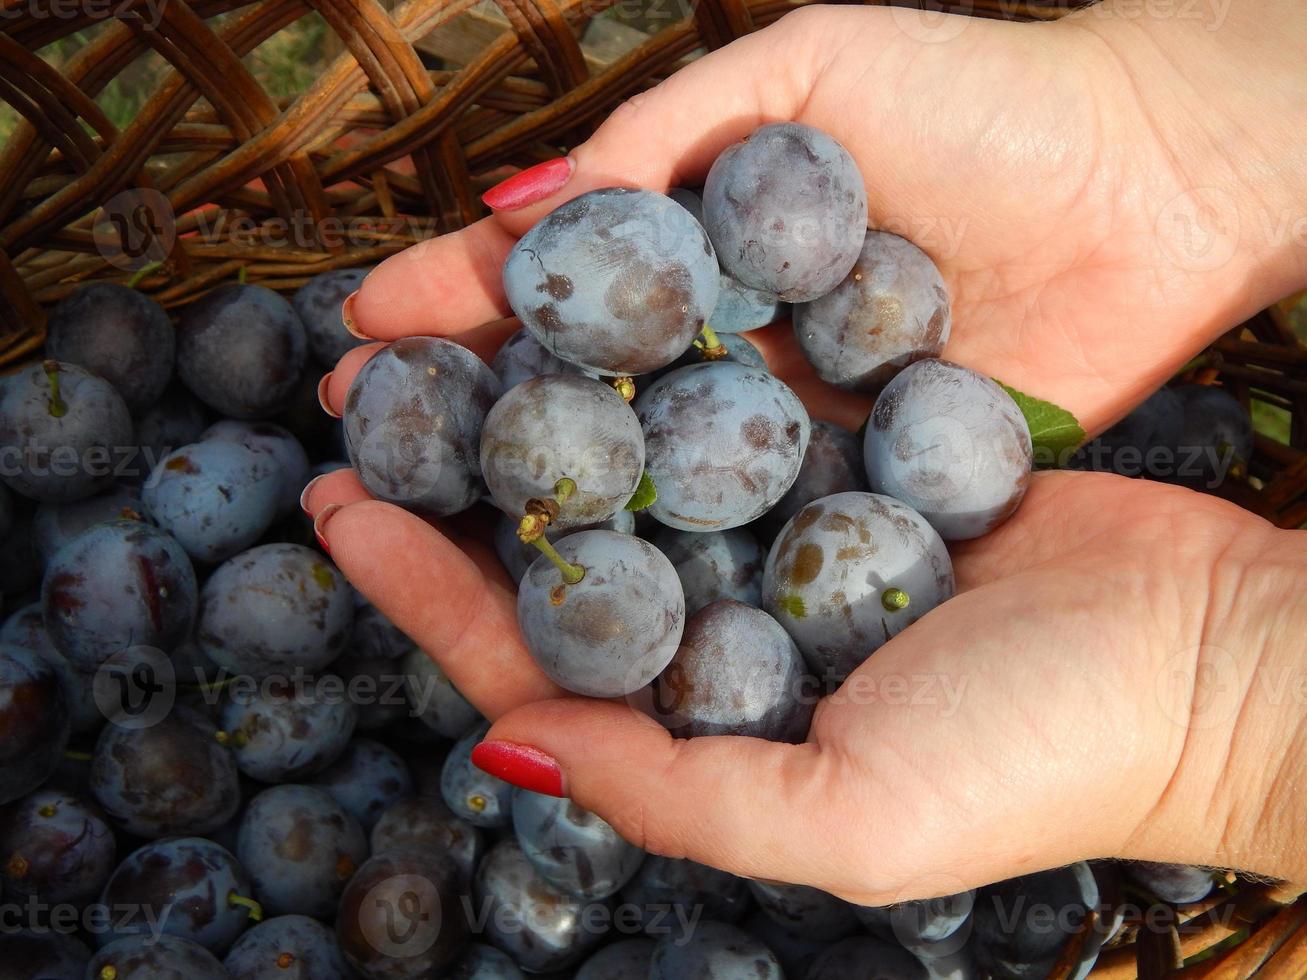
140	274
242	274
109	972
711	347
571	573
894	599
58	407
564	489
625	387
252	908
77	756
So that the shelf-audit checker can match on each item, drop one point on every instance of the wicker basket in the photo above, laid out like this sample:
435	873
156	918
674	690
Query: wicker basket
421	108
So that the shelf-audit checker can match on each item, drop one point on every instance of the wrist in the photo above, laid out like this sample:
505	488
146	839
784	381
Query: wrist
1235	799
1221	92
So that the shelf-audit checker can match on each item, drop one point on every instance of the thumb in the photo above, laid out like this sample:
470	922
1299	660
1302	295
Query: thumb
671	134
745	805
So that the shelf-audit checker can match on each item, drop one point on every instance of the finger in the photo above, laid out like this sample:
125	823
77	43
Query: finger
483	341
437	594
339	487
752	807
436	288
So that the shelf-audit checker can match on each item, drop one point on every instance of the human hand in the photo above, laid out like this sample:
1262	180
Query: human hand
1057	319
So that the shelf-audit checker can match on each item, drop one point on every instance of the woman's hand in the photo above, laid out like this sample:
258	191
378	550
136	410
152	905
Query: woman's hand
1059	175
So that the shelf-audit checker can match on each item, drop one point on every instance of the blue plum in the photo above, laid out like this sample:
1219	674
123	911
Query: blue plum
795	953
148	958
116	586
400	917
866	958
317	303
177	419
215	498
929	927
573	849
482	962
1216	434
541	927
26	628
627	959
420	821
186	887
301	848
1179	884
522	358
34	719
714	565
563	426
617	281
848	573
479	798
803	911
713	951
273	609
612	632
55	847
63	430
832	463
737	672
951	444
241	350
287	947
1020	927
517	556
54	525
672	894
433	698
118	333
281	446
890	310
1145	442
723	443
169	778
413	420
44	955
282	732
786	210
366	779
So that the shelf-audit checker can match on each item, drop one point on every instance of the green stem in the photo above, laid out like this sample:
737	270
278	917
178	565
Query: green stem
564	489
712	347
58	407
241	275
77	756
142	272
894	599
571	573
253	908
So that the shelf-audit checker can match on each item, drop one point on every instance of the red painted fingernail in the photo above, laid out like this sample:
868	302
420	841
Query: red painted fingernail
304	494
521	765
530	185
320	524
347	317
322	396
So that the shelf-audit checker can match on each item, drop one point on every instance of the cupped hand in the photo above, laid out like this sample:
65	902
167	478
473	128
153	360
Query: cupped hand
1025	727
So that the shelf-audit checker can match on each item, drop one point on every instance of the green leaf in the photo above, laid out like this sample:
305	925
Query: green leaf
645	494
1054	432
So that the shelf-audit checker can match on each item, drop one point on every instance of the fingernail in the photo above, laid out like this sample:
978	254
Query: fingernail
531	185
322	396
304	494
347	317
522	765
320	525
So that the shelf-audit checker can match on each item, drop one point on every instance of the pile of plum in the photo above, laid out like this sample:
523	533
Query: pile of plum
218	760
